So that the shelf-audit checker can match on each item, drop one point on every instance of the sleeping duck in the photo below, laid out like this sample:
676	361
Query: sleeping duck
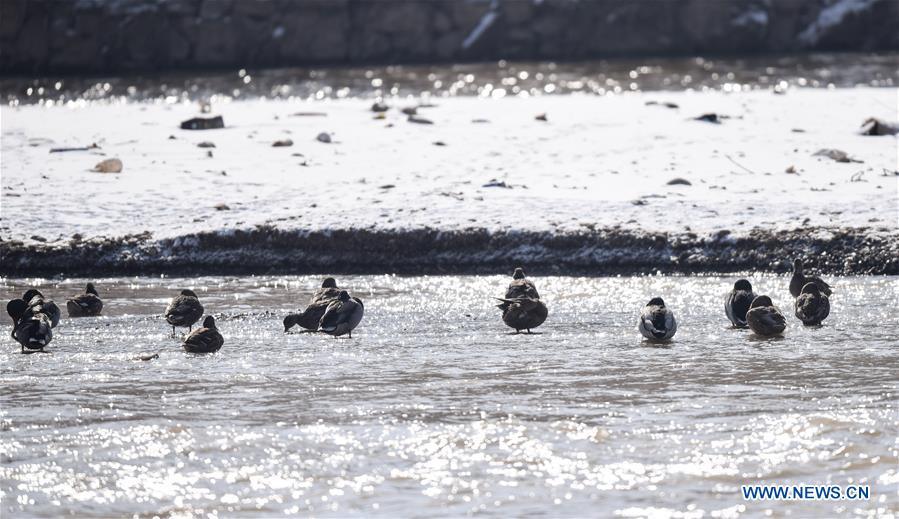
37	304
87	304
184	310
342	315
312	315
737	302
522	308
764	318
799	280
657	322
206	339
812	306
33	331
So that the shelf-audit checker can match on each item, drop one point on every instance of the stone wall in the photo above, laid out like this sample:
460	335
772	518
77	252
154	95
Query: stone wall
81	36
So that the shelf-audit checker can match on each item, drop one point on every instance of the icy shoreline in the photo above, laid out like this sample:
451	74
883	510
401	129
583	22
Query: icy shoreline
266	250
614	183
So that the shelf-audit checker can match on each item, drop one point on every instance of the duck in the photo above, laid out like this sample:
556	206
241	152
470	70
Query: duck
87	304
812	306
318	304
37	304
522	308
184	310
206	339
799	280
342	315
33	331
764	318
737	302
657	322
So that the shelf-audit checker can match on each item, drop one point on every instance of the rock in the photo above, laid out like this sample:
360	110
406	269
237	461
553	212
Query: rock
222	207
206	144
837	155
541	117
791	169
109	166
283	143
497	183
710	118
387	186
679	182
379	107
874	126
203	123
419	120
410	110
439	143
324	137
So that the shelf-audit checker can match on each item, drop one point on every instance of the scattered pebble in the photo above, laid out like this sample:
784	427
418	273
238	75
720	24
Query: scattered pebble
679	182
309	114
541	117
283	143
109	166
639	202
666	104
380	116
791	169
497	183
379	107
439	143
419	120
874	126
203	123
410	110
206	144
324	137
835	154
77	148
222	207
387	186
480	121
710	118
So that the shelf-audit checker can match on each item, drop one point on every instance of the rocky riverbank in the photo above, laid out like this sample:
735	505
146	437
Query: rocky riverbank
266	250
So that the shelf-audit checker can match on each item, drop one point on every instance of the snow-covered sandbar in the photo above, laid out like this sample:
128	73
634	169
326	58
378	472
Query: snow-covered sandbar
605	183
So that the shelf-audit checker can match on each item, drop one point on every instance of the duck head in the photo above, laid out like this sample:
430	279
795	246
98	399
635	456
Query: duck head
31	294
656	301
209	322
329	283
16	309
518	274
189	293
797	266
811	288
91	290
343	296
290	321
743	285
761	301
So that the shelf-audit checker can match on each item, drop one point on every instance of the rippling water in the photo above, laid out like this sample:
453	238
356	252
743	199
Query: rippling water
434	408
498	79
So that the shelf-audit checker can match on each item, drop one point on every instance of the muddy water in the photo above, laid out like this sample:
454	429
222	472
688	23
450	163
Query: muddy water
433	408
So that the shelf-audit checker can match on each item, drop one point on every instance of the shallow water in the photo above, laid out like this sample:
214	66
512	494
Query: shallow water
434	408
495	79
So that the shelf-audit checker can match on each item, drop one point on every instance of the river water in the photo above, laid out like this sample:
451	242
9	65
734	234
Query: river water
435	409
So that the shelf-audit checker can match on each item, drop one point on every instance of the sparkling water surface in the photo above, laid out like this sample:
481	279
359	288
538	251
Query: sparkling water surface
434	408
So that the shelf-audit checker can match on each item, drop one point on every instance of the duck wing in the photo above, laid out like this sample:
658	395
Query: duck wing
325	295
736	305
337	313
822	285
183	311
522	288
812	309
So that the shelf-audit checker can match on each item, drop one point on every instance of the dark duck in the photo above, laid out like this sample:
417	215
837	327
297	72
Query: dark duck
312	315
657	322
764	318
799	280
737	302
184	310
522	308
33	331
206	339
87	304
342	315
812	306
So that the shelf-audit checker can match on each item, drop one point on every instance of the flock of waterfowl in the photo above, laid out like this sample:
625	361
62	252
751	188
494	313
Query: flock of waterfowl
333	311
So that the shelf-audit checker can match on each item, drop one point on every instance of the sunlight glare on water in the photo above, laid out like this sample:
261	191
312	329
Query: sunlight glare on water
435	408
